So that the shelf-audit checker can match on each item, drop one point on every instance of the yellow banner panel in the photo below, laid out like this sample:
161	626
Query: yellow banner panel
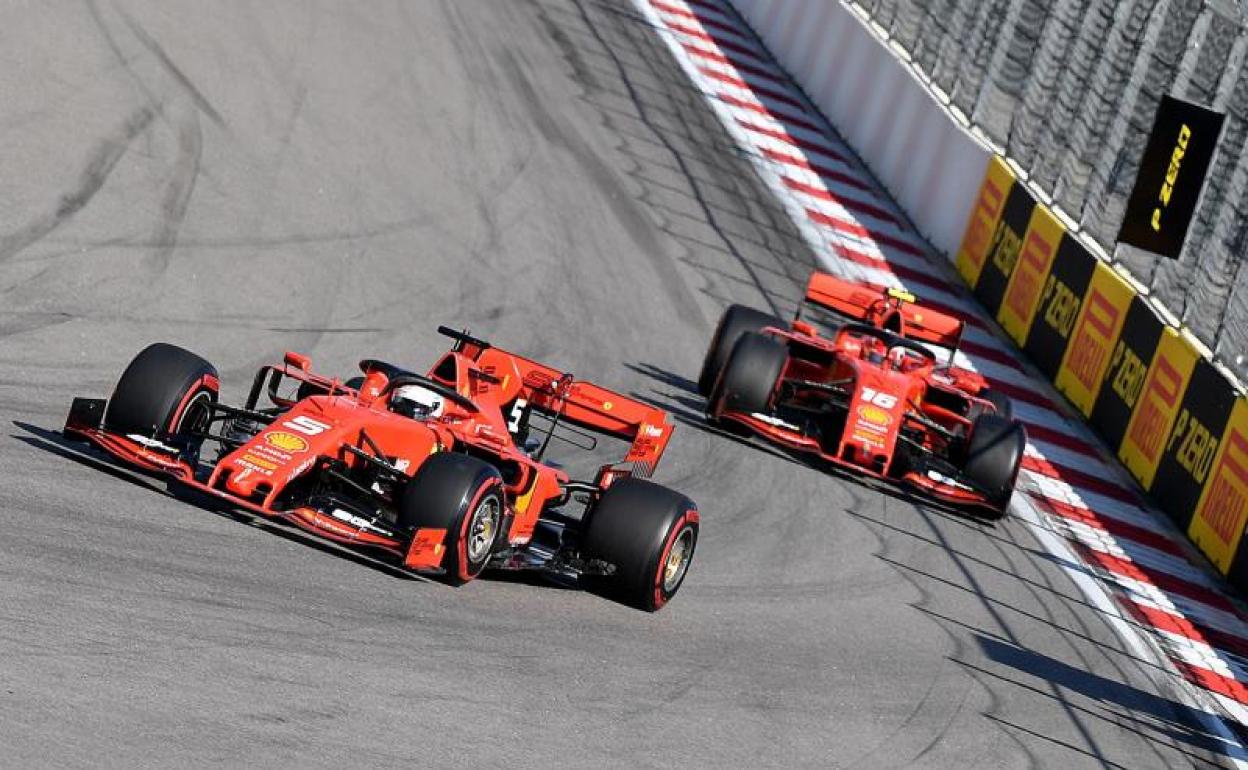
1096	332
1219	521
984	218
1157	406
1022	295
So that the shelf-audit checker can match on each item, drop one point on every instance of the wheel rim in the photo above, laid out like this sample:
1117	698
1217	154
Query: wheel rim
677	563
484	526
195	415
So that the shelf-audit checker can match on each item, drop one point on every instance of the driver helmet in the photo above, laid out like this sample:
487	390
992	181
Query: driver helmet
873	350
901	358
417	401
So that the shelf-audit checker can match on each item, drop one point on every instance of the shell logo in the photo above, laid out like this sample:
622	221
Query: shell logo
287	442
874	414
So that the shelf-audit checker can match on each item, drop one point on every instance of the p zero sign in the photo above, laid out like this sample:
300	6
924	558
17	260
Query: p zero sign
1191	450
1128	369
1171	176
1061	298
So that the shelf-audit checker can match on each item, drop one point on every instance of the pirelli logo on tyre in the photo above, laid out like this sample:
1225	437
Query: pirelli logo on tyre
1035	258
1128	368
1158	406
1218	523
1193	443
1096	332
1060	302
985	216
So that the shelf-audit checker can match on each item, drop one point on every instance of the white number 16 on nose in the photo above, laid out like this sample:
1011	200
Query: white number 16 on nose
882	400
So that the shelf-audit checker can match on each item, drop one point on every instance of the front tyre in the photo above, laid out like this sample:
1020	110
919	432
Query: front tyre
994	456
163	394
736	321
750	376
648	533
464	496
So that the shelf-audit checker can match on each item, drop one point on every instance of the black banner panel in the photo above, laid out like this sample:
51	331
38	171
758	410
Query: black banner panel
1171	176
1128	368
1193	442
1060	301
1007	241
1238	574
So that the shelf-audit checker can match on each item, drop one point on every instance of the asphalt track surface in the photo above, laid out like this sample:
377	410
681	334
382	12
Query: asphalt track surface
338	179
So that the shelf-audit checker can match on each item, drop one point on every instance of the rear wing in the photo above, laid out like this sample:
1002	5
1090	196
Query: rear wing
582	403
890	309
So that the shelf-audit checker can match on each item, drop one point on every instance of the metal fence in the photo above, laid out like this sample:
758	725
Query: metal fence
1070	87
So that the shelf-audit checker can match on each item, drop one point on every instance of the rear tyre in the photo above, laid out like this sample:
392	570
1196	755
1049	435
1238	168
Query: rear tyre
1002	402
464	496
993	458
736	321
163	393
648	533
750	376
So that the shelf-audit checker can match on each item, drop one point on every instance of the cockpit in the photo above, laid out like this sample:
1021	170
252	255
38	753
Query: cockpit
882	348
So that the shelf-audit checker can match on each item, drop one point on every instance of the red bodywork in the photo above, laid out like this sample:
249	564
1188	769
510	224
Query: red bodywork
897	409
262	474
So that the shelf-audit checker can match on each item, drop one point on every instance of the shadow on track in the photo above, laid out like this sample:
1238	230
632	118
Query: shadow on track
1147	713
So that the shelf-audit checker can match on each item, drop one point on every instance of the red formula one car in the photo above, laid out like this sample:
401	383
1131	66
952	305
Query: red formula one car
442	471
871	395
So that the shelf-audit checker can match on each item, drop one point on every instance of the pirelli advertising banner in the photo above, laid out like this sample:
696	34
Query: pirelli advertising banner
1218	524
1189	452
1026	286
1128	368
1092	340
1158	405
1006	245
1060	302
1171	176
985	215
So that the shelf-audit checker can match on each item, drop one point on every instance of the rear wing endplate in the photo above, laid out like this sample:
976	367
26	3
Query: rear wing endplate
597	409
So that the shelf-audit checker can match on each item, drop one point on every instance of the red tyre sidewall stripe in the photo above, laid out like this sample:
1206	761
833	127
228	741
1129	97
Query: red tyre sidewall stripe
207	382
691	518
461	548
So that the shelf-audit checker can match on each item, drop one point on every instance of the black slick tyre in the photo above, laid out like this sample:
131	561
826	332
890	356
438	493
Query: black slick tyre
736	321
648	533
750	376
464	496
993	458
162	393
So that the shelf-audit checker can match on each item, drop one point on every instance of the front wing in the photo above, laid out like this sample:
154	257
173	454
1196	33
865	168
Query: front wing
423	551
780	433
